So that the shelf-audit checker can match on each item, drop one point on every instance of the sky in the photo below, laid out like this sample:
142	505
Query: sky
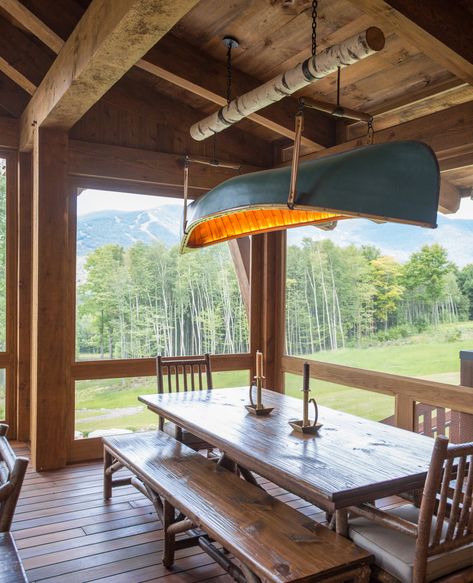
99	200
91	201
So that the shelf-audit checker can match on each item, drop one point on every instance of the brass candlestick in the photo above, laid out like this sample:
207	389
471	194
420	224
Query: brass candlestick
258	408
305	425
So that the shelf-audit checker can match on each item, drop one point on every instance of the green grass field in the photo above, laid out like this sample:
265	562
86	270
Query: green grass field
112	403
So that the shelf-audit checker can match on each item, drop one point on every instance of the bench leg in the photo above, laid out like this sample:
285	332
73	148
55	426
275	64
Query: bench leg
107	476
169	514
364	575
341	522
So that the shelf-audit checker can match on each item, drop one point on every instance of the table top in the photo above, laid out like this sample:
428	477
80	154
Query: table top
349	461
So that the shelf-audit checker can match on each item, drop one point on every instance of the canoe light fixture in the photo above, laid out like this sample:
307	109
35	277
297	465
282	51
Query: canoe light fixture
394	181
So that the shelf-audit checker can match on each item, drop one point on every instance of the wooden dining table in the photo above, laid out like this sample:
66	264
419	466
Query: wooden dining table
349	461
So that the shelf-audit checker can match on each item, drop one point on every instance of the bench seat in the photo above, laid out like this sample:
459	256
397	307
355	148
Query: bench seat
274	541
11	568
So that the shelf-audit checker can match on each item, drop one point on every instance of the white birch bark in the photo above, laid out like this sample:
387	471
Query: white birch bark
350	51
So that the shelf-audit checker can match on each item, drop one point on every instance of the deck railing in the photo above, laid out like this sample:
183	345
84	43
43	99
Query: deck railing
423	406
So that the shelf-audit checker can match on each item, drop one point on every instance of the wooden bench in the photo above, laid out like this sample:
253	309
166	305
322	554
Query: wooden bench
12	473
11	568
271	540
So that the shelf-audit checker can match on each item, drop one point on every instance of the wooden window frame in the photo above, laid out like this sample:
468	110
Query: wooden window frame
406	390
81	370
8	356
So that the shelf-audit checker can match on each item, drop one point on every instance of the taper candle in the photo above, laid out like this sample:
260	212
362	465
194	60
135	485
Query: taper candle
258	363
305	391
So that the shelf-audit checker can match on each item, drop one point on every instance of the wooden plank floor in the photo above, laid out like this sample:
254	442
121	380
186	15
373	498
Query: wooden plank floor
67	533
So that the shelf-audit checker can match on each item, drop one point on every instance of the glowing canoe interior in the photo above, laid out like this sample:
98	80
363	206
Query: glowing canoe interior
397	182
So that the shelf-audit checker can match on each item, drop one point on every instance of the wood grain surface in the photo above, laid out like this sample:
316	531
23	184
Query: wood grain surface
275	541
351	460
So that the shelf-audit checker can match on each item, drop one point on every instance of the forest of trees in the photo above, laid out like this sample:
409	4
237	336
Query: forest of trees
351	296
148	300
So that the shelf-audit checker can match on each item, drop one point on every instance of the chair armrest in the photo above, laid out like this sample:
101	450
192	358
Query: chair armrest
385	519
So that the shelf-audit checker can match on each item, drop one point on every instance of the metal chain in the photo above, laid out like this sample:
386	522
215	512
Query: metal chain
314	26
214	144
370	132
338	86
229	73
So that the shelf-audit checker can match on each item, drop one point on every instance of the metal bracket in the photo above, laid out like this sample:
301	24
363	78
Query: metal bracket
295	157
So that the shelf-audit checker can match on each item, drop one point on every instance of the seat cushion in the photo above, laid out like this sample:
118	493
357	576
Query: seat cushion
188	438
394	551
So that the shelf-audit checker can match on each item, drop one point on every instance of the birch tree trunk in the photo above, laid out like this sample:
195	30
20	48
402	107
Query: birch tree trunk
350	51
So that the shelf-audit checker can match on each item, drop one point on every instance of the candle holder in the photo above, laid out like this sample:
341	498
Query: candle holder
258	408
305	425
308	426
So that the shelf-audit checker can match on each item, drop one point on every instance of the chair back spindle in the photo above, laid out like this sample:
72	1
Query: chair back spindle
187	373
447	496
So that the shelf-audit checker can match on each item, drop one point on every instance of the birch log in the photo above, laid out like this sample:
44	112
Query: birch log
350	51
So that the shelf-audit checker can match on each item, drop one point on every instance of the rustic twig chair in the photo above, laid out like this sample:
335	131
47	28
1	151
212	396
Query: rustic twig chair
188	374
435	542
12	473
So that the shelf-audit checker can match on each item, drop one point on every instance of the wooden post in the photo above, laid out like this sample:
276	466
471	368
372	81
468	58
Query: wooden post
267	323
461	428
256	298
51	340
240	250
404	412
23	372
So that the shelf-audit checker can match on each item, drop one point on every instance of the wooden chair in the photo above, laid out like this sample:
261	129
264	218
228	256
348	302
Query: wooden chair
12	473
435	542
183	374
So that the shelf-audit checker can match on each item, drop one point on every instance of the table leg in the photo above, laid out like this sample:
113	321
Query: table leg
178	433
341	522
227	463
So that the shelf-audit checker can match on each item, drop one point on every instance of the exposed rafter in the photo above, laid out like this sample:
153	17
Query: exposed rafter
16	76
32	23
127	166
320	131
450	197
105	44
442	30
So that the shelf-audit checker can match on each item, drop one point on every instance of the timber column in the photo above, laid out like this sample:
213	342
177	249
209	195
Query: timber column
461	429
267	314
51	406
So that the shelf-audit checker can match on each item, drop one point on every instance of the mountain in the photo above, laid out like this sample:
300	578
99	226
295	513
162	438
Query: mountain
399	241
163	224
124	228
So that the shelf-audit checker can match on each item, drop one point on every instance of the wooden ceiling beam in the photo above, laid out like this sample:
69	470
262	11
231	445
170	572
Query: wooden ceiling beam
189	68
441	30
425	100
186	67
9	133
31	22
117	166
449	133
450	197
16	76
106	43
22	59
13	99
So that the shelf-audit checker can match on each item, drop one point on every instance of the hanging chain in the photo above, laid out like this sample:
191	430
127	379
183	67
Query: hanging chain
314	26
370	132
214	160
338	86
229	73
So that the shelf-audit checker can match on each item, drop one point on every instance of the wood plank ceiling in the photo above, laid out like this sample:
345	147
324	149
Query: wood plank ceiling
405	81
